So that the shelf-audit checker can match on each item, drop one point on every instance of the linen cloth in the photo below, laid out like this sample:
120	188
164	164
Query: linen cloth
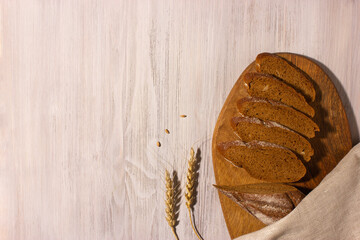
330	211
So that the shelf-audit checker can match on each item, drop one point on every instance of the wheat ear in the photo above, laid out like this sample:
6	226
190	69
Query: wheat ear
170	203
190	188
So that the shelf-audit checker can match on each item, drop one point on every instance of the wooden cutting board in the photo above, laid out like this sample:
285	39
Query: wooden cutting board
330	145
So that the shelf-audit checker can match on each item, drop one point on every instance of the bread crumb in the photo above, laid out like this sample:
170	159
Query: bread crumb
158	144
167	131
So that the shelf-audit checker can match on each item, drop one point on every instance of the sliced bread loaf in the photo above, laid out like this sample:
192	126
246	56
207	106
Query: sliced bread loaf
266	86
280	67
278	112
263	160
250	129
268	202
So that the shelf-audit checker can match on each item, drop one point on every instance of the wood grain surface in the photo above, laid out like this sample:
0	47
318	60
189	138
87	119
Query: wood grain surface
330	144
87	88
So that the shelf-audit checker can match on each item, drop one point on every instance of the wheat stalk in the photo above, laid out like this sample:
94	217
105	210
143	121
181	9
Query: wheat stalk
190	193
170	202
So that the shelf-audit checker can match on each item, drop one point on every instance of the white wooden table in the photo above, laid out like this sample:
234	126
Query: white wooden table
88	87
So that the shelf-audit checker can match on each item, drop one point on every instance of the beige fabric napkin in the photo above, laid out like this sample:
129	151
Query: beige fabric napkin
330	211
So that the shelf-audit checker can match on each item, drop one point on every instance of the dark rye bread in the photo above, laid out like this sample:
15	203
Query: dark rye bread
250	129
278	112
263	160
266	86
268	202
281	68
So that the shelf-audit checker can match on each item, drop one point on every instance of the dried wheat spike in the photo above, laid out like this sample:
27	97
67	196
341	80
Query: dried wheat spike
190	189
170	203
191	178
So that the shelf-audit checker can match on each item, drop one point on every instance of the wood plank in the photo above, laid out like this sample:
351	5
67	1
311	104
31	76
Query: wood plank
87	87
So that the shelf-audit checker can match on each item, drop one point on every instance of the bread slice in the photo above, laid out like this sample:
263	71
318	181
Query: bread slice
263	160
250	129
268	202
289	73
266	86
278	112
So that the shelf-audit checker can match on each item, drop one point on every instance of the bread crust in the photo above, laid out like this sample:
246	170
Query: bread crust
251	128
268	202
271	64
267	86
280	113
263	160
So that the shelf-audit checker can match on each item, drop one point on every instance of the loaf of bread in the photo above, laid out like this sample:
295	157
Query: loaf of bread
281	68
266	86
263	160
251	129
278	112
268	202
